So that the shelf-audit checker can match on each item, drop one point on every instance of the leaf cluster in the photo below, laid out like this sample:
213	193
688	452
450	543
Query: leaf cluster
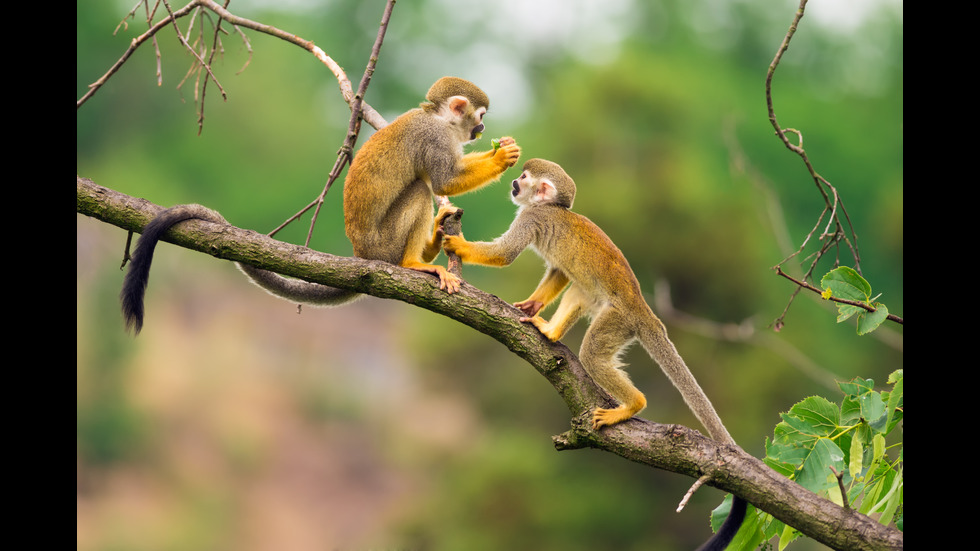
836	451
846	283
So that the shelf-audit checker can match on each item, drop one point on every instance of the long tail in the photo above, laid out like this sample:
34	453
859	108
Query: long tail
138	275
724	535
653	337
297	290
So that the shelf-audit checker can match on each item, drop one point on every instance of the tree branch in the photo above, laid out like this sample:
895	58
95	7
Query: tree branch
368	113
669	447
779	271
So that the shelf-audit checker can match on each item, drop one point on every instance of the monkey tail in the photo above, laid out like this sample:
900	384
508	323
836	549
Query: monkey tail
653	337
727	532
297	290
138	275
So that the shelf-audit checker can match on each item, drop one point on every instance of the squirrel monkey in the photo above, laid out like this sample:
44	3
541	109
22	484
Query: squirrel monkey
600	284
388	195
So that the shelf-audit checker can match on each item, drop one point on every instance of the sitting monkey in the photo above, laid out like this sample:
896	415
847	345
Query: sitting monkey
388	193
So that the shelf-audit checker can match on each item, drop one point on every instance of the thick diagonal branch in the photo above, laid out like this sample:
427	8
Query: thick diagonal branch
669	447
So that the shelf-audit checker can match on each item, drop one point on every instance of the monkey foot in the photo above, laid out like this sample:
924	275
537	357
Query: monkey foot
447	281
606	417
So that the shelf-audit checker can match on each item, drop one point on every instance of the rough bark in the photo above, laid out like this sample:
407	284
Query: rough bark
669	447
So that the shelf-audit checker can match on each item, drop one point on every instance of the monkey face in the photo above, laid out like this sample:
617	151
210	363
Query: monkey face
542	183
525	190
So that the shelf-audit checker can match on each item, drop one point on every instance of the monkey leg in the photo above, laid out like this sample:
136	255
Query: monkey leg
605	339
549	288
418	249
570	309
434	245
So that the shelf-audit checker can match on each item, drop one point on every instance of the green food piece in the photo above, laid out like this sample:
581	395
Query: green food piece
495	143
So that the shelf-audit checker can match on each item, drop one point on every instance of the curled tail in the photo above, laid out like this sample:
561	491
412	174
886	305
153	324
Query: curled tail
138	275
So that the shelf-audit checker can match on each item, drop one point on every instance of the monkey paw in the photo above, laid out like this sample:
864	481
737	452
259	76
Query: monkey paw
452	243
529	307
509	152
542	326
607	417
445	212
449	282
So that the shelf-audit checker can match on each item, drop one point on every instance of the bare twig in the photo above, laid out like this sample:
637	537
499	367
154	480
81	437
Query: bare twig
368	113
838	224
346	152
840	485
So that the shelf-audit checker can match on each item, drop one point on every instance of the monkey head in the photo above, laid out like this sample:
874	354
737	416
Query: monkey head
460	102
543	182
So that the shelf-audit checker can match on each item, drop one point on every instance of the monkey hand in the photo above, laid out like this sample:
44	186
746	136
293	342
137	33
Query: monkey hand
508	154
446	211
529	307
454	244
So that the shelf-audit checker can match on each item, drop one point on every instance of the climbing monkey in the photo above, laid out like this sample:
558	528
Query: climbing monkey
600	284
388	197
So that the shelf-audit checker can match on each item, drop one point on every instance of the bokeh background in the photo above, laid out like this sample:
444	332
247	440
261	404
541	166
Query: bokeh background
232	422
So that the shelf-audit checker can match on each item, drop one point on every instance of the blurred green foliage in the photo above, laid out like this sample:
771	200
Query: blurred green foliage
656	109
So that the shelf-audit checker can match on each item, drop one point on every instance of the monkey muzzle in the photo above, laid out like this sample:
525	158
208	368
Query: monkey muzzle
517	188
477	131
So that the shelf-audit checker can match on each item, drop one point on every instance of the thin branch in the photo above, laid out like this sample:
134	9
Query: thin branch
200	59
346	152
133	45
368	113
805	285
669	447
834	231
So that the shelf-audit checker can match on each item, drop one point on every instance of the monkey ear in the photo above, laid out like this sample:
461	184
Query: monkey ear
546	192
458	105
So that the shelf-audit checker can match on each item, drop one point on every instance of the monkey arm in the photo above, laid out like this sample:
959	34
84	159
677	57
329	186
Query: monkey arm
499	252
551	286
477	169
479	252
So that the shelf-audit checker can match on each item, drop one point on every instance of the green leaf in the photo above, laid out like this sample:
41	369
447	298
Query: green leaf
856	457
869	321
895	399
819	414
846	283
750	534
815	474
